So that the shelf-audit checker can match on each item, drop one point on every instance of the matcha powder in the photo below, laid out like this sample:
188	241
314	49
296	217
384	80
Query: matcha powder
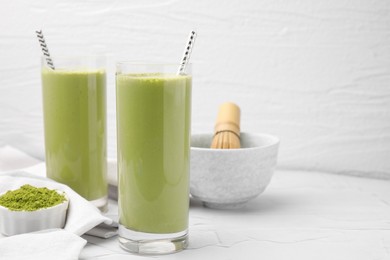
29	198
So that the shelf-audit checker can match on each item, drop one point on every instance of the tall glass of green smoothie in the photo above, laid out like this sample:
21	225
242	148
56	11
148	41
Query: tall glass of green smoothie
153	139
74	108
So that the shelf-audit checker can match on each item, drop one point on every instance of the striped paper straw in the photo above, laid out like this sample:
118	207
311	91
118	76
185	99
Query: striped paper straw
187	53
45	49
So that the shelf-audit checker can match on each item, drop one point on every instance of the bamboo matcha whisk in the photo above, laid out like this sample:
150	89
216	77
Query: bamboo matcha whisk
227	127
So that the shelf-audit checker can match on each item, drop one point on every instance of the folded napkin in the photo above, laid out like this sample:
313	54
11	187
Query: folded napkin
11	159
82	216
48	244
14	159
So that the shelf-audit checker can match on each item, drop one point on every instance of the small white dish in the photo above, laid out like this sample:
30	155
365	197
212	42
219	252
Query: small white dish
228	178
19	222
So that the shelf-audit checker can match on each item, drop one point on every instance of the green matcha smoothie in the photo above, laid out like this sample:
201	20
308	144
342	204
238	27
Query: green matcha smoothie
74	106
153	133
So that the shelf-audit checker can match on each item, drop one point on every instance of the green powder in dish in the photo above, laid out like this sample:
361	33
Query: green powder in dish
30	198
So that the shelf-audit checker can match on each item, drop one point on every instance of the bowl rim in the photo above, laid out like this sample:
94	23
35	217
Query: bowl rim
275	141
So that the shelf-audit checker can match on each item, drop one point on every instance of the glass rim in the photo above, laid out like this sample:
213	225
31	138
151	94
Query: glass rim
69	62
150	63
72	57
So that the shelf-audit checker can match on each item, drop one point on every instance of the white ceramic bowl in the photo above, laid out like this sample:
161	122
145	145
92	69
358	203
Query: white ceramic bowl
18	222
228	178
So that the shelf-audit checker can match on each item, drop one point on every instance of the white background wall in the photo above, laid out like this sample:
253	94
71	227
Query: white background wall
314	73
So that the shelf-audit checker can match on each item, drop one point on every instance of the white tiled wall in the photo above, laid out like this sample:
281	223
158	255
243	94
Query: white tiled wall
315	73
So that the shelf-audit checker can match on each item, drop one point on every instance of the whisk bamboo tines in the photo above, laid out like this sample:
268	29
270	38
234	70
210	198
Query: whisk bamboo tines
227	127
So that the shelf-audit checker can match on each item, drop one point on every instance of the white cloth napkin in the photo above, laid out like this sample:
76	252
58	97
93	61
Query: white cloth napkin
48	244
11	159
82	216
14	159
55	244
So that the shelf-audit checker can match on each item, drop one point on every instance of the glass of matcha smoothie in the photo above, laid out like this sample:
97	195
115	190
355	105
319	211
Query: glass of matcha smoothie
153	139
74	108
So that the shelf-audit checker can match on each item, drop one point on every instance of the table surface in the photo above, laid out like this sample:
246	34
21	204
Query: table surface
301	215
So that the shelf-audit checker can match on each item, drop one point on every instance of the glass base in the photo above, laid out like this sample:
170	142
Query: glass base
151	243
101	204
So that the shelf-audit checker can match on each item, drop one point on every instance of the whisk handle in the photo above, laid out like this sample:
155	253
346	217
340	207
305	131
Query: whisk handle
228	118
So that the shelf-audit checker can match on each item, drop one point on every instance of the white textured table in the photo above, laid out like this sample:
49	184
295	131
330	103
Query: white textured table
301	215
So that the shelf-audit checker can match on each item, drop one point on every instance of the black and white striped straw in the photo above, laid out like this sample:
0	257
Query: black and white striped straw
187	53
45	49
